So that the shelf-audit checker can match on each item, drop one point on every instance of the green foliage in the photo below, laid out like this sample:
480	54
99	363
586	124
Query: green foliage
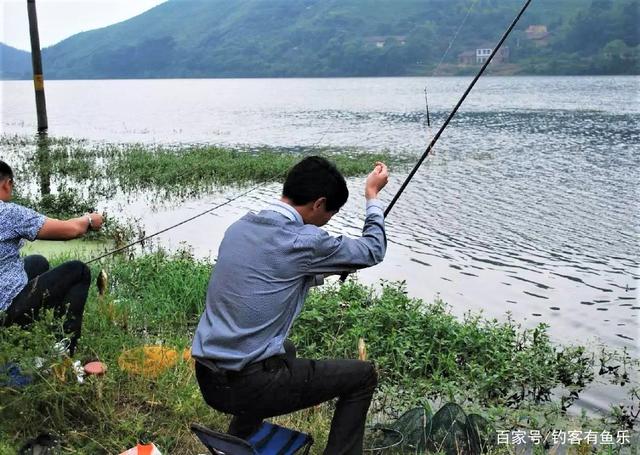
284	38
193	167
602	22
423	348
161	292
601	38
422	351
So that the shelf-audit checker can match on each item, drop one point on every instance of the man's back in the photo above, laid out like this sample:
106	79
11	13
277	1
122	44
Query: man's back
266	264
256	289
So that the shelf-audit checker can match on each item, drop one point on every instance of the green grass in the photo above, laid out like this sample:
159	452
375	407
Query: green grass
171	172
191	167
52	248
424	355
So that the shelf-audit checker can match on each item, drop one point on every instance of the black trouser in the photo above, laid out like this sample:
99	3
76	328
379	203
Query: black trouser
63	289
288	384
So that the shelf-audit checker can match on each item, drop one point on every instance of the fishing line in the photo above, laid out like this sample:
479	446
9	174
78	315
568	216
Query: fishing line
343	276
455	109
174	226
455	36
446	52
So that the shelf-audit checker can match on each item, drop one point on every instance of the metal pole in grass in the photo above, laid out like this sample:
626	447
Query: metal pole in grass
36	60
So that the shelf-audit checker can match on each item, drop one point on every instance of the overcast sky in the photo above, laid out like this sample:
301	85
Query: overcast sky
59	19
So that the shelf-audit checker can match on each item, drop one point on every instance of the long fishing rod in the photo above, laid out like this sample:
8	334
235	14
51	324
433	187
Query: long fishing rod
455	109
117	250
344	275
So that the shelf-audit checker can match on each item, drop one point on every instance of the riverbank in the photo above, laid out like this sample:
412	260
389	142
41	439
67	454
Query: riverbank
514	377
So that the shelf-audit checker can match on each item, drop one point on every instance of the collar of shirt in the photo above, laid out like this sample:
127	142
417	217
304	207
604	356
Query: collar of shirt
286	210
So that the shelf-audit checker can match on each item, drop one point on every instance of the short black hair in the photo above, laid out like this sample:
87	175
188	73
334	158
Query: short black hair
5	171
315	177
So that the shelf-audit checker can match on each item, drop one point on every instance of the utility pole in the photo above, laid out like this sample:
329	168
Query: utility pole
36	60
42	152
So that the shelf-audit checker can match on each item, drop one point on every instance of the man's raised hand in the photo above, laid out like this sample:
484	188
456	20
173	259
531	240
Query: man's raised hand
376	180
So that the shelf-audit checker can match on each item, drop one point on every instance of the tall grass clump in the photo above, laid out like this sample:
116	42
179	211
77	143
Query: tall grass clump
176	171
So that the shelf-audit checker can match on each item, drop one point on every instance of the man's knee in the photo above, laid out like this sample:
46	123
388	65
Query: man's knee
80	270
35	265
38	261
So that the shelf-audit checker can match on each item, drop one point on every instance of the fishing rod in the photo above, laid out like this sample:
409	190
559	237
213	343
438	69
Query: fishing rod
117	250
344	275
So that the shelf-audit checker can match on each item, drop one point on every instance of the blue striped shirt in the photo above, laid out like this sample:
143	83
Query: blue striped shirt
266	264
16	224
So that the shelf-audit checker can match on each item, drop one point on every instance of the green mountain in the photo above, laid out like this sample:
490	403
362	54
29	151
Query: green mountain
274	38
14	63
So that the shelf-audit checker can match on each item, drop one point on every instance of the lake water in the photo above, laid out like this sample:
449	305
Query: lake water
529	204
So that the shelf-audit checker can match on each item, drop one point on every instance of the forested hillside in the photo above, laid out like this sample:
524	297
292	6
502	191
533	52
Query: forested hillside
273	38
14	63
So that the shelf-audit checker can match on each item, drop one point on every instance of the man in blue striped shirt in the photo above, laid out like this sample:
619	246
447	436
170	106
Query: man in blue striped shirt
27	285
267	262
